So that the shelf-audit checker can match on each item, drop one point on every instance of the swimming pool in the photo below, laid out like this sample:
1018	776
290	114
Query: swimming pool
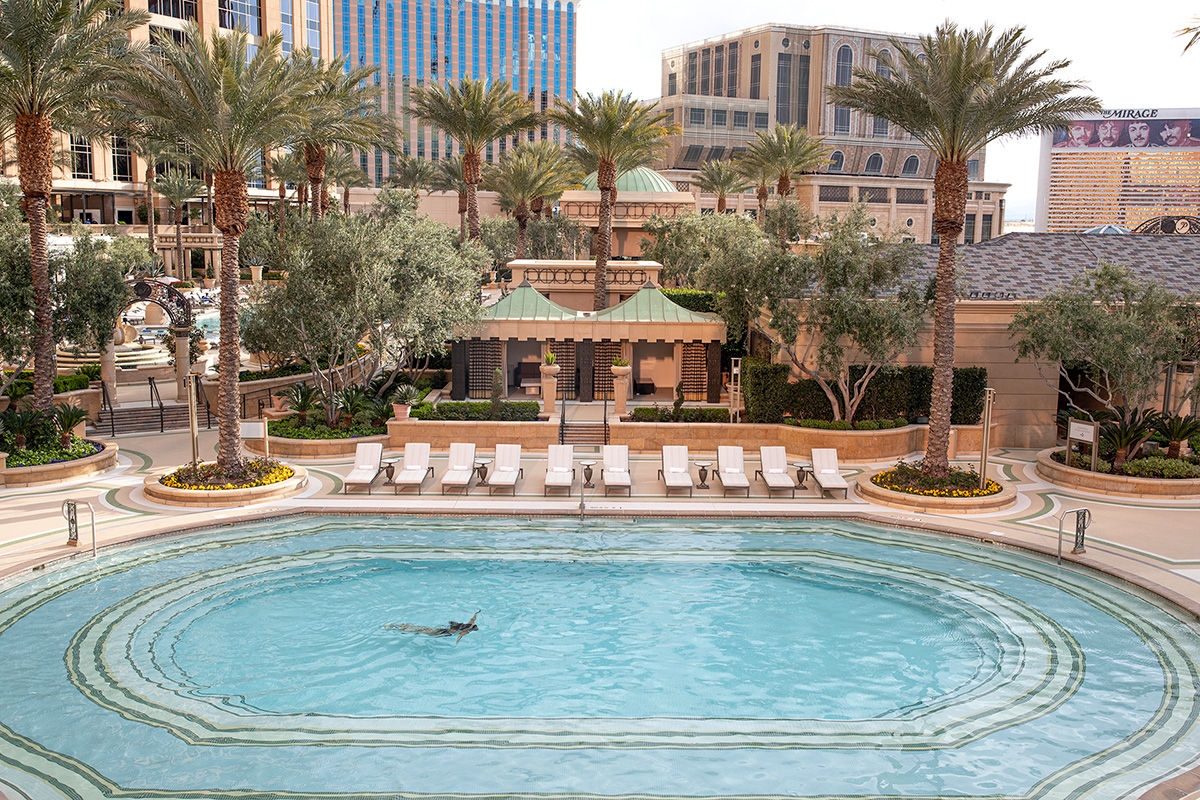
660	658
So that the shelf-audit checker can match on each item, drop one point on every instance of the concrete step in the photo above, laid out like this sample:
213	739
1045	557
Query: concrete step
585	433
142	419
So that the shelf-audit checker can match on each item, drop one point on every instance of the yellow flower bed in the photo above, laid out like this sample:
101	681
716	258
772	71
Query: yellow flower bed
907	479
208	476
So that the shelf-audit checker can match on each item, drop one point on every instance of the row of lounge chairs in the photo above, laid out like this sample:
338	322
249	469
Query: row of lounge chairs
506	469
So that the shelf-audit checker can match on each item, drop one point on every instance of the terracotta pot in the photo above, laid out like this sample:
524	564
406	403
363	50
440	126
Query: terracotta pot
400	410
549	369
621	371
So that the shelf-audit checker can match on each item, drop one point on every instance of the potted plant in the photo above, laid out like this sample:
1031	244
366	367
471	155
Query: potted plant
549	366
403	399
620	366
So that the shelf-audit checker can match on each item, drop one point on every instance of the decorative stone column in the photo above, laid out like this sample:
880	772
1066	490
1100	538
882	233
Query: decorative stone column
108	368
620	388
549	388
183	362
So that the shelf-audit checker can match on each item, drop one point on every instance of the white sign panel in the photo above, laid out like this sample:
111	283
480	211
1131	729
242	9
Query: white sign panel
254	430
1080	431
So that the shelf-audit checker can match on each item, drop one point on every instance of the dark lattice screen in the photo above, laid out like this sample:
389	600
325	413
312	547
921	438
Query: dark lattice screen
695	371
483	358
564	353
601	370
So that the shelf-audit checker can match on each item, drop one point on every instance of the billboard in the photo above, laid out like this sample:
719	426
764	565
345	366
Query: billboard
1132	129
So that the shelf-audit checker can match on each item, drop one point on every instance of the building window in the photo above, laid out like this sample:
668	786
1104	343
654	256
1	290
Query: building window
695	116
741	119
312	25
716	153
81	158
880	128
160	34
843	74
285	26
881	69
985	230
783	89
837	161
760	120
969	229
755	75
179	9
973	169
672	84
834	194
841	120
873	194
874	164
912	165
244	14
122	160
693	153
802	63
693	66
720	118
706	71
718	79
731	64
910	197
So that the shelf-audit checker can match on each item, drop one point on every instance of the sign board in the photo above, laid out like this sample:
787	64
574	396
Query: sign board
254	430
1080	430
1131	129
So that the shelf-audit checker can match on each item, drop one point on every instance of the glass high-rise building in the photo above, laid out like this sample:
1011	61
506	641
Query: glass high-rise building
529	44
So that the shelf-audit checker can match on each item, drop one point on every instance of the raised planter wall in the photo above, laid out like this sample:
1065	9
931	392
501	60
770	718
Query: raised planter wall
13	477
486	435
224	498
1086	480
310	448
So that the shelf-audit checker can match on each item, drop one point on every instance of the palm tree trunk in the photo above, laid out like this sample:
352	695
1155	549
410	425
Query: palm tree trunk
950	203
472	168
521	212
151	229
314	165
35	153
179	268
606	181
761	194
462	216
346	200
231	211
282	212
784	186
721	203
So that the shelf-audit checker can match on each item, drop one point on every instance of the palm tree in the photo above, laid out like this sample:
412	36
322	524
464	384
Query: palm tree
531	171
178	186
284	167
473	114
225	108
343	170
610	128
448	177
791	151
955	93
343	112
722	179
412	173
57	58
759	173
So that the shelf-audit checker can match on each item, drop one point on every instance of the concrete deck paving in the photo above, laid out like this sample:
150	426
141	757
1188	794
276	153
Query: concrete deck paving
1148	542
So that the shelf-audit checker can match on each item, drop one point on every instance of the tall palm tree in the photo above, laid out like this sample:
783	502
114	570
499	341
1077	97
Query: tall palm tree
225	108
609	128
955	93
343	170
178	186
448	177
791	150
722	179
473	114
410	172
533	170
57	58
284	167
344	111
760	173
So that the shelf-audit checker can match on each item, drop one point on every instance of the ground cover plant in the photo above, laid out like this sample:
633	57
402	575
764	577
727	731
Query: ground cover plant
908	478
34	438
209	476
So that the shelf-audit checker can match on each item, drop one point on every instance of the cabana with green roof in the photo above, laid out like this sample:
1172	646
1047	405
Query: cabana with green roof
664	342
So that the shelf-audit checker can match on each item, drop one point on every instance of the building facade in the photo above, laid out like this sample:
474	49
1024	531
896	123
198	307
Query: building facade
1121	167
529	44
722	90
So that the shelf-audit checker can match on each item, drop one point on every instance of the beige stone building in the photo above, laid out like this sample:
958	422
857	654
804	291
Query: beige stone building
722	90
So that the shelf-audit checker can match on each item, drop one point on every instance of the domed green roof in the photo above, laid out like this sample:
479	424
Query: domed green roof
641	179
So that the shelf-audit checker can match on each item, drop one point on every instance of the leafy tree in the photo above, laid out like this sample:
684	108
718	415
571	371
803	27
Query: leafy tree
58	59
226	108
473	113
178	186
758	171
616	132
722	179
553	238
1115	330
955	92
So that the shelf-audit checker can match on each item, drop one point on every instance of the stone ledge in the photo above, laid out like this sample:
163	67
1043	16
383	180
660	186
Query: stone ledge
106	459
934	505
311	448
223	498
1122	485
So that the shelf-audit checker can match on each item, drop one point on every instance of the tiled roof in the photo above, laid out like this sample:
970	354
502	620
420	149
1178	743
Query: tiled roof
651	305
1024	266
525	302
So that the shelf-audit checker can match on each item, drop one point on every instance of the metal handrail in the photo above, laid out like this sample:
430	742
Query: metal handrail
69	511
155	397
605	418
106	405
562	417
201	397
1083	518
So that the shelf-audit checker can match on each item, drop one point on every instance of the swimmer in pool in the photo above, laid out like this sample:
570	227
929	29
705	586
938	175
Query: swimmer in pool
460	628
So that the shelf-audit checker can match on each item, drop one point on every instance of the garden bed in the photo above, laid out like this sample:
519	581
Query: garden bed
60	471
223	498
310	448
1123	485
936	505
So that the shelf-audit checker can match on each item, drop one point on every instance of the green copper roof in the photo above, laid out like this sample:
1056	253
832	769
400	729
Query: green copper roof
526	302
651	305
641	179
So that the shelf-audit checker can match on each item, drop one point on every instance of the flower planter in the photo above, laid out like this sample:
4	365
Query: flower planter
61	471
935	505
223	498
401	410
311	448
1123	485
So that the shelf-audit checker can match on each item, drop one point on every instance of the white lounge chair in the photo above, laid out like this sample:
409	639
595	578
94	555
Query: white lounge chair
774	470
825	471
560	470
368	463
616	468
506	468
731	469
461	467
674	471
415	467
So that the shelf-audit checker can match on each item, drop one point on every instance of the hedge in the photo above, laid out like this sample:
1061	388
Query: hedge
62	383
510	411
693	299
765	386
665	414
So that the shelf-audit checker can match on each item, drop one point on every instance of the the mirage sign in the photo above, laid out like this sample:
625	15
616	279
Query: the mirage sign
1133	129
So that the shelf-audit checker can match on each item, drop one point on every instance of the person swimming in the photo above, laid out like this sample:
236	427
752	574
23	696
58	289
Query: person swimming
460	628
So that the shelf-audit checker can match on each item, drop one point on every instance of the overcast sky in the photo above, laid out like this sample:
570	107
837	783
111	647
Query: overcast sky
1128	59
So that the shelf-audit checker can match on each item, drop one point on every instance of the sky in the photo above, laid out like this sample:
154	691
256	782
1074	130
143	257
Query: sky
1127	59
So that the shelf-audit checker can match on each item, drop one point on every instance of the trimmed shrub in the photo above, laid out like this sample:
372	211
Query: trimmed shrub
765	386
660	414
1161	467
966	408
477	411
693	299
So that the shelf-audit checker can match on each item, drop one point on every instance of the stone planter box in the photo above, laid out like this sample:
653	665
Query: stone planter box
934	505
223	498
310	448
103	461
485	434
1088	481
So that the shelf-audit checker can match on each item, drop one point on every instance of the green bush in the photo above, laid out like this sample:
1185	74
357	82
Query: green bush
278	372
70	383
661	414
806	400
765	386
966	408
52	453
1161	467
693	299
477	411
287	428
91	370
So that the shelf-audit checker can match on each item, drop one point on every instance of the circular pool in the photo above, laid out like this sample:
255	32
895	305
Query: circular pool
299	659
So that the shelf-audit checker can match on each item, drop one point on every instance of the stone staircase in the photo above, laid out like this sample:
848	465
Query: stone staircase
143	419
584	433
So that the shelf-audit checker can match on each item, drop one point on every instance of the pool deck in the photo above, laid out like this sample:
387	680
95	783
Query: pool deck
1151	543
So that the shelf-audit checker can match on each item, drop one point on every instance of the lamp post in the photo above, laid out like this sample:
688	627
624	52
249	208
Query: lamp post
989	399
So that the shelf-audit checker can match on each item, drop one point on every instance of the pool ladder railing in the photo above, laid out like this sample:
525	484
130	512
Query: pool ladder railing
1083	518
70	510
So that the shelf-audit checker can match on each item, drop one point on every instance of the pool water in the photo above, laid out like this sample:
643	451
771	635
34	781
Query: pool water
659	658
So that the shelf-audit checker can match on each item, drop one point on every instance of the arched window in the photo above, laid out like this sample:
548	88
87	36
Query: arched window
879	127
912	165
874	164
842	77
836	161
881	69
